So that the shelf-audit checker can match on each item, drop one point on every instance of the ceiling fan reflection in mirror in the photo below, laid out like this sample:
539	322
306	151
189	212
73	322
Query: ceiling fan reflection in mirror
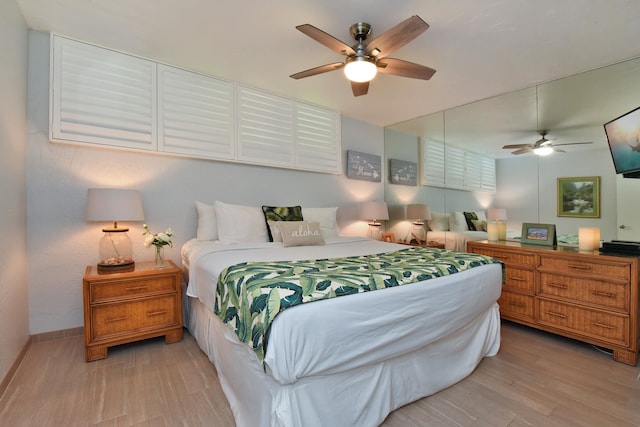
542	147
366	59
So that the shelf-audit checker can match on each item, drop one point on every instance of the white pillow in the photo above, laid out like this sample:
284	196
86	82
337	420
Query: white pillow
438	222
457	222
326	217
240	224
207	227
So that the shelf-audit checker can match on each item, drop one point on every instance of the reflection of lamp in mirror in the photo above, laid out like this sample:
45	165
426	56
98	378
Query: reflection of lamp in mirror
374	212
497	230
418	213
106	204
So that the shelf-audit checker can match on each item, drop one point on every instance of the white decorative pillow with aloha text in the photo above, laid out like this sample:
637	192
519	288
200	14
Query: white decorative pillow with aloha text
300	233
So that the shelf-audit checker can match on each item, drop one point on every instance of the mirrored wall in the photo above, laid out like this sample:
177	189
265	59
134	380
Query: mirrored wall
571	110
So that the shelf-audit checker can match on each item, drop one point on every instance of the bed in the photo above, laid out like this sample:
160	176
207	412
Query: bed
349	360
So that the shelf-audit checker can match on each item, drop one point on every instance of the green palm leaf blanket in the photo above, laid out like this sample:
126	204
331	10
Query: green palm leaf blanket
250	295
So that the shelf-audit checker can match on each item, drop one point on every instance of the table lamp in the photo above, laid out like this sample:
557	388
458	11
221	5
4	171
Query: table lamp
418	213
374	212
107	204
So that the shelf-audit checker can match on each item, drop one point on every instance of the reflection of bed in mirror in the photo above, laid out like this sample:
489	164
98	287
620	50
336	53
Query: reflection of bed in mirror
456	241
455	229
340	361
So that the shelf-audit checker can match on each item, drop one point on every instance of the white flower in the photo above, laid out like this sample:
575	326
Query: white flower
148	241
158	239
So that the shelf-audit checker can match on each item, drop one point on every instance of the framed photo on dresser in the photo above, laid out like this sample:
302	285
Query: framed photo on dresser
539	234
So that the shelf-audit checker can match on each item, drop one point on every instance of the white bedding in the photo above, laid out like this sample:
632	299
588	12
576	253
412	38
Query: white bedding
389	347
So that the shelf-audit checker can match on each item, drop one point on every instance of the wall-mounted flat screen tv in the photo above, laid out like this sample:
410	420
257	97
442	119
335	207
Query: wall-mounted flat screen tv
623	136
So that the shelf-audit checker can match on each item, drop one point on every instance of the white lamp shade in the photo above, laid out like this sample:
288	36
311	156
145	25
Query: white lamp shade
497	214
418	212
374	211
109	204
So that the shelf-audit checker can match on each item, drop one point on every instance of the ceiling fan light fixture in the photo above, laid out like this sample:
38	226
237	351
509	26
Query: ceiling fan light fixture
360	69
544	150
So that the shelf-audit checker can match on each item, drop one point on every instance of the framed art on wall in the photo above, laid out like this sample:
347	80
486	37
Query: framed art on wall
364	166
403	172
579	197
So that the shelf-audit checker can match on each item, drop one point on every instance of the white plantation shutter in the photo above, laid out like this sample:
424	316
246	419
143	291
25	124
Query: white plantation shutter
488	174
195	114
432	165
317	134
265	128
102	96
473	171
454	167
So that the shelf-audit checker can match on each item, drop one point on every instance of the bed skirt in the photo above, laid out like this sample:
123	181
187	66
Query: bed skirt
363	396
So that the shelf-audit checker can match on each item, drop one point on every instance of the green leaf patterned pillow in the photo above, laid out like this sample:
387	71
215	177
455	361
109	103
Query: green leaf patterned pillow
281	213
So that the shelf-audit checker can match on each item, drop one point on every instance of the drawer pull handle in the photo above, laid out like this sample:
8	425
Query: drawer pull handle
603	325
604	294
580	267
517	279
136	288
558	285
554	314
116	319
517	304
156	313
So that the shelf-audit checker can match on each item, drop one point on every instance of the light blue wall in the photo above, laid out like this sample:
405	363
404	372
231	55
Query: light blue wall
62	243
14	309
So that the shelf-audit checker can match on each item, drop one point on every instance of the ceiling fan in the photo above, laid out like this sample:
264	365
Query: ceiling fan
541	147
364	59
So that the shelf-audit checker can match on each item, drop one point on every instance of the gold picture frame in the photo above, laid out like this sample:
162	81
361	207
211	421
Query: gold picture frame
579	197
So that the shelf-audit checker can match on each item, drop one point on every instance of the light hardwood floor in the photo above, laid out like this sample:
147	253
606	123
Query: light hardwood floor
537	379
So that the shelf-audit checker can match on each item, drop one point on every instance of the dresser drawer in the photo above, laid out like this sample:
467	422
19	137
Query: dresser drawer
519	279
509	257
134	316
517	306
586	322
596	292
112	290
618	271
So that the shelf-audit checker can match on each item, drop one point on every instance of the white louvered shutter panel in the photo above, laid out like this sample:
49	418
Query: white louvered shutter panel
454	167
473	171
102	96
195	114
265	128
489	174
318	139
433	166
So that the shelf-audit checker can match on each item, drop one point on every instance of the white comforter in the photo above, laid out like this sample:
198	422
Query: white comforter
337	335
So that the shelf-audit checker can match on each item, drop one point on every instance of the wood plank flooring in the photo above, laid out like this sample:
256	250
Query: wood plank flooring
537	379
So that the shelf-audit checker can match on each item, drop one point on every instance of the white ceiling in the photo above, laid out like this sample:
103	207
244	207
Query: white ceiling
479	48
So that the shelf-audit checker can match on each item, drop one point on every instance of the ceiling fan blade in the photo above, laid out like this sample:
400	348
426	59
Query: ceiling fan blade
523	150
557	150
317	70
326	39
393	39
573	143
510	146
399	67
359	88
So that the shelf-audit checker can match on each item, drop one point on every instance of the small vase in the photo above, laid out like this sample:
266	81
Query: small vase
159	256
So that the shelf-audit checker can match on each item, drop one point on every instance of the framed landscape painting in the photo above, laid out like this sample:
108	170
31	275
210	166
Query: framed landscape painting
579	197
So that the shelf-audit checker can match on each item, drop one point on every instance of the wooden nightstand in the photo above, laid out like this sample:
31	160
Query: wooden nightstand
124	307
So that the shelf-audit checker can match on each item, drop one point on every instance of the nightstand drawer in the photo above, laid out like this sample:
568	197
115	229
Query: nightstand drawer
595	292
110	319
620	271
100	292
590	323
517	306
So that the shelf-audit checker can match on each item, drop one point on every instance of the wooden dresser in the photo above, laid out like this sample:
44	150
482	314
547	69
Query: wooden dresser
587	296
130	306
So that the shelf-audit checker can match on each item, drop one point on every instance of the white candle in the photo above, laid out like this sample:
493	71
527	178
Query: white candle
493	231
588	238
